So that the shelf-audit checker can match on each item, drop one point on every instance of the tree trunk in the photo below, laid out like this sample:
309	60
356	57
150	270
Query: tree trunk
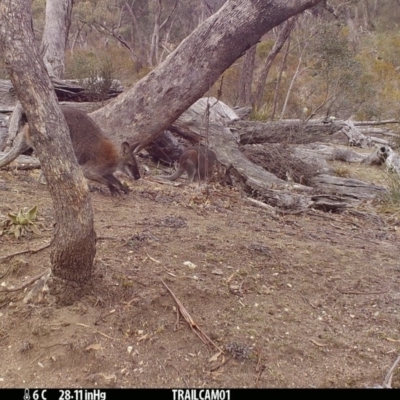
155	37
246	78
280	41
279	79
55	35
15	123
74	241
157	100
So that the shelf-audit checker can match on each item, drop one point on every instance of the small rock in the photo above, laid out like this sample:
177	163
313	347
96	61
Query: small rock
217	272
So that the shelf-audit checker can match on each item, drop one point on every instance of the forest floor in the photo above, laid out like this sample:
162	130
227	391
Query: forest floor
307	300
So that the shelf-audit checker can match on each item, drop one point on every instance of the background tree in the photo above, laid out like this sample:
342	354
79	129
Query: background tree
55	35
245	97
283	35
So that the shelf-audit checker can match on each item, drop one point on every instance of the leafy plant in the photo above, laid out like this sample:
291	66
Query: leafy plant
94	72
394	188
21	223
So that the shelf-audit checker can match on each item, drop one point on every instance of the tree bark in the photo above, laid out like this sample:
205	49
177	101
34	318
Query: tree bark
356	138
280	41
74	241
15	123
246	78
55	35
157	100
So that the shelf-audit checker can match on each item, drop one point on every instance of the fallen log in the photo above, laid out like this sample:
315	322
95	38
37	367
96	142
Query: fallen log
290	131
22	162
318	151
346	187
378	156
355	136
393	162
66	90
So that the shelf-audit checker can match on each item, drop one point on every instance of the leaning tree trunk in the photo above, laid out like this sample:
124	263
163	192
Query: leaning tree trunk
158	99
74	242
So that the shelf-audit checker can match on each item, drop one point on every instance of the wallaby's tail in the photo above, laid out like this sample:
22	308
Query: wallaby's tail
16	151
175	176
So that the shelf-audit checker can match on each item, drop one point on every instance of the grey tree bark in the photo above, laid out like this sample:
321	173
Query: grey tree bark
55	35
246	78
151	106
74	241
277	47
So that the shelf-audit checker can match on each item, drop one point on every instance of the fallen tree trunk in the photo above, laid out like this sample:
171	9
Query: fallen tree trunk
393	162
290	131
318	151
378	156
22	162
66	90
355	136
253	178
351	188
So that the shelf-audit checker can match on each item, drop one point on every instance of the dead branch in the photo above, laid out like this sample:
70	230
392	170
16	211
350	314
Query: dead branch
387	383
195	328
34	251
26	284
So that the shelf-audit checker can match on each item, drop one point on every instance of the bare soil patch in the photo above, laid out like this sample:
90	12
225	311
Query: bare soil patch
313	300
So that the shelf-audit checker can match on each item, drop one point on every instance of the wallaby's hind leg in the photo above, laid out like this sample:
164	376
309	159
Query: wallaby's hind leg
192	172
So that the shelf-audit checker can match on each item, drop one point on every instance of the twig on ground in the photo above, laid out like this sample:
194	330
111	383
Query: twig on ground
260	368
182	377
5	273
226	360
104	316
261	204
55	344
24	285
387	383
356	292
152	259
34	251
100	333
195	328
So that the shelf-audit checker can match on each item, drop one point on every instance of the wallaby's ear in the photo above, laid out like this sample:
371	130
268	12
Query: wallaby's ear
125	148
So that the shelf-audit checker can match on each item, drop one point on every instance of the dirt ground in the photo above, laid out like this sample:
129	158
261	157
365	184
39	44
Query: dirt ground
309	300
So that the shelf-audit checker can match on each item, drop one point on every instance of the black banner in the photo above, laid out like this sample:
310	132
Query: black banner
111	394
168	394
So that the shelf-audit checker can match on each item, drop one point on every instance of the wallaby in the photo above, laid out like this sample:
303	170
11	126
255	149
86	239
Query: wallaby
95	153
198	162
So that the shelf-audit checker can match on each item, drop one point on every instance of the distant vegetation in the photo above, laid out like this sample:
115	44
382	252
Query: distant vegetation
342	59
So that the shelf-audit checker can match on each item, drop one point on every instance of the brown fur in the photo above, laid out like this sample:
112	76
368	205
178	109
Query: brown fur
95	153
197	162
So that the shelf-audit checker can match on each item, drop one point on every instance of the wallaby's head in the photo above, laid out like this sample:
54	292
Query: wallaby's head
128	162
